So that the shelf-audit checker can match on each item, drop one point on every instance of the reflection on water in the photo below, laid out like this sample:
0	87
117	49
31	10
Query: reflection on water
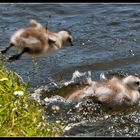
106	38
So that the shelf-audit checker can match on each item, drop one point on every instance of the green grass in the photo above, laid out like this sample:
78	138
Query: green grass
19	114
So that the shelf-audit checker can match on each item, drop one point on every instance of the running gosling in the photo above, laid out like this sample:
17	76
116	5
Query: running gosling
37	40
112	92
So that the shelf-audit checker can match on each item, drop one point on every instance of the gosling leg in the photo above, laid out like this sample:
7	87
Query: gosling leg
17	56
7	48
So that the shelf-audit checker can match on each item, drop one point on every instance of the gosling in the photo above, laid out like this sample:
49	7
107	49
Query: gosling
36	40
113	92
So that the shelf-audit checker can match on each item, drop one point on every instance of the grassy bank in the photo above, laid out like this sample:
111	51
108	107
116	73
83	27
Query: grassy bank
19	114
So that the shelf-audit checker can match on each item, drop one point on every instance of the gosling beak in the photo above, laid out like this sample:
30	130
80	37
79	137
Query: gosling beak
70	41
72	44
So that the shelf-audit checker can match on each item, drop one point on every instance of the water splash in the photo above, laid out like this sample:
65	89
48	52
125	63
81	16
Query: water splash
52	82
55	99
86	116
79	77
102	76
36	95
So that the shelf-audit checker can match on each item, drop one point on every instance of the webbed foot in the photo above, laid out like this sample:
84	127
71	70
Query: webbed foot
14	57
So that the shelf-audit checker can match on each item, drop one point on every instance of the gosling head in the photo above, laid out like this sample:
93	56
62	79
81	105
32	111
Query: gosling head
132	82
66	38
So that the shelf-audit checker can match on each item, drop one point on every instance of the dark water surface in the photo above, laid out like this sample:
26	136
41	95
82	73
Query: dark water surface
106	38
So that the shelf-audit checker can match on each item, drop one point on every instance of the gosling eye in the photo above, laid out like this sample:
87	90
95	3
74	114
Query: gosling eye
137	83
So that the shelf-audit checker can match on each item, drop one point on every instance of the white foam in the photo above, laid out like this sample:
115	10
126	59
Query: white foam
54	99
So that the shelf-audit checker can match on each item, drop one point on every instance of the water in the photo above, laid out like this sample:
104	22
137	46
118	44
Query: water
106	38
